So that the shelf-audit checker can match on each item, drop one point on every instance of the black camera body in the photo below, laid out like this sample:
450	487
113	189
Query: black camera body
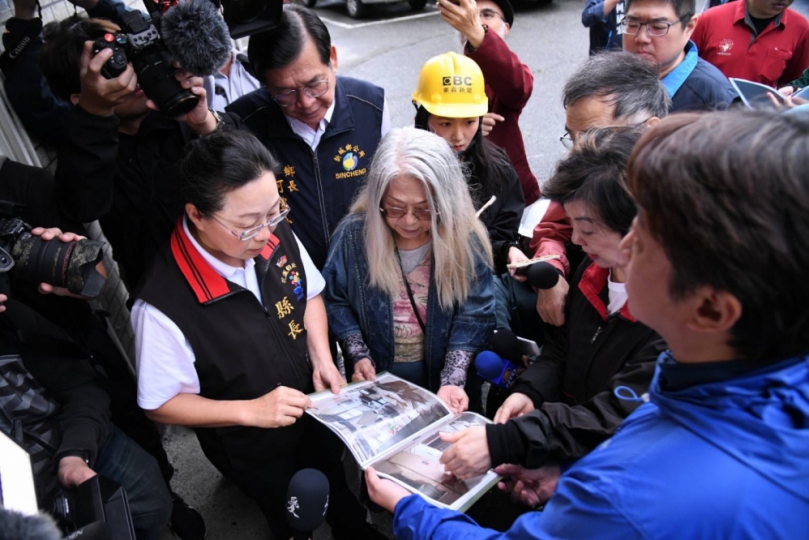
140	43
62	264
97	509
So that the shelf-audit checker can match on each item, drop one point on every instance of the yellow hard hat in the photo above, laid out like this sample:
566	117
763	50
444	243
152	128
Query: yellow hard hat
451	85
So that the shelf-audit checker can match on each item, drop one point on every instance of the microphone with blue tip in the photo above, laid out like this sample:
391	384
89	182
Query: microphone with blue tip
307	502
500	366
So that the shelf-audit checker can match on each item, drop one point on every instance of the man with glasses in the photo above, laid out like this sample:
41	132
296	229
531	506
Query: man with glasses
483	26
323	129
757	40
659	31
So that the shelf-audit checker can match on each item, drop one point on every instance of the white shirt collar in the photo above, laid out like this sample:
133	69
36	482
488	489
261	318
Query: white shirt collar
311	136
223	269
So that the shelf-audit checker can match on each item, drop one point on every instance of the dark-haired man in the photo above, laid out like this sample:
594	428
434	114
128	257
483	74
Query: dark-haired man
659	32
324	129
718	447
616	89
483	26
757	40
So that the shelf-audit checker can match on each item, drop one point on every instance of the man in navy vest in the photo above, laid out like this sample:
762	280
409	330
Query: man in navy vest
323	128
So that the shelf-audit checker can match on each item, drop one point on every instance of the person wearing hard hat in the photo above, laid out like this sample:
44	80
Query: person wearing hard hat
483	26
450	100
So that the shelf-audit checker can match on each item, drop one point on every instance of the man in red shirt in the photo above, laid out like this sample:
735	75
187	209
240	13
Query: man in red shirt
757	40
483	26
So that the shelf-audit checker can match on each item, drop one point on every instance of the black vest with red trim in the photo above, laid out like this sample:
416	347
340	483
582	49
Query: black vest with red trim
242	349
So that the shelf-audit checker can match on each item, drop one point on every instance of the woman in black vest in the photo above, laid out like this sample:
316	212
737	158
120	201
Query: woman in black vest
231	333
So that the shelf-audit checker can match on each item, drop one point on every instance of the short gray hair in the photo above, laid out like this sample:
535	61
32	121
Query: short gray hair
626	81
458	236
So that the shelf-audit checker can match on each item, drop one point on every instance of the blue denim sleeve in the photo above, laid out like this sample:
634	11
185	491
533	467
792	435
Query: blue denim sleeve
337	272
473	323
593	13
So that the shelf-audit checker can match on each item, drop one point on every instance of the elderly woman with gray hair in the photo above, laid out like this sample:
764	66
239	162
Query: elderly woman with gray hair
408	277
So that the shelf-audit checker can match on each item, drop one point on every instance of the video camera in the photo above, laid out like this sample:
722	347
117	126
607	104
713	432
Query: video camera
61	264
97	509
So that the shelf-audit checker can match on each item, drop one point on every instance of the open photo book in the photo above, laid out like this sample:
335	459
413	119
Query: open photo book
393	426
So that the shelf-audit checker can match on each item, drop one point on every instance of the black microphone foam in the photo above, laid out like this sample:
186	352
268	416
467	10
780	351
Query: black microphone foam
197	36
542	275
506	344
16	526
307	500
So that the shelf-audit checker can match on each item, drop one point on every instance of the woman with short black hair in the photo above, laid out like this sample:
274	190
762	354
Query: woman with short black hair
231	333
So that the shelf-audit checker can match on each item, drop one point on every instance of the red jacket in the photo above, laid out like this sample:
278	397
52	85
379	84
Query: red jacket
551	234
778	55
509	84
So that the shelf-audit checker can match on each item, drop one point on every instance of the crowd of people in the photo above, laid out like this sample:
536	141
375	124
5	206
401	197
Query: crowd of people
284	222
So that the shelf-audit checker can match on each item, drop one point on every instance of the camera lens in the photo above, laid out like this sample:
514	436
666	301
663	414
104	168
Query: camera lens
156	77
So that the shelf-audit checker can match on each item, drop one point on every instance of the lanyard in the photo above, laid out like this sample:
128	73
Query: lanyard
410	295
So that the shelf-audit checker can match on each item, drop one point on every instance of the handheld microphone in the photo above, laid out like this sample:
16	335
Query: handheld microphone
197	36
542	275
307	502
506	344
495	369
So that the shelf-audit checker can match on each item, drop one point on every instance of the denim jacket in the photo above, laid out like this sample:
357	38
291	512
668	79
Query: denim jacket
354	307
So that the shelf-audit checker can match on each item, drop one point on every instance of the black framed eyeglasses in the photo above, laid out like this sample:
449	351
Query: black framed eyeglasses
654	28
488	14
313	90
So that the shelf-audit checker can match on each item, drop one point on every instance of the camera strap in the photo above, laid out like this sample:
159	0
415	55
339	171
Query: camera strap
20	42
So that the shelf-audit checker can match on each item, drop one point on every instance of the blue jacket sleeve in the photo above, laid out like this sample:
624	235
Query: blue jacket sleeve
593	13
577	510
343	320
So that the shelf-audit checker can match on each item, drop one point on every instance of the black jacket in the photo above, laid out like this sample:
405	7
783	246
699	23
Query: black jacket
502	219
705	89
129	183
573	380
52	395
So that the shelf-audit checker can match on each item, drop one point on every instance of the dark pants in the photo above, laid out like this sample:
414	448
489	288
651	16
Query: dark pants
123	461
319	449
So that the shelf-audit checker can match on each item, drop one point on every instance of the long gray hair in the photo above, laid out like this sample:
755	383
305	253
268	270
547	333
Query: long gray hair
458	236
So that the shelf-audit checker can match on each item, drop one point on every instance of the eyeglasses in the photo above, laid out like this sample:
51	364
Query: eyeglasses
313	90
395	212
566	140
244	236
488	14
654	28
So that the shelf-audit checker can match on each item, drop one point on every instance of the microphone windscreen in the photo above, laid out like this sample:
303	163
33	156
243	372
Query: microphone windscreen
197	36
307	500
489	365
17	526
542	275
506	344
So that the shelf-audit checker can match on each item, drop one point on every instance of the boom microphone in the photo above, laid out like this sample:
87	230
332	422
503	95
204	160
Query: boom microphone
197	36
307	502
495	369
542	275
17	526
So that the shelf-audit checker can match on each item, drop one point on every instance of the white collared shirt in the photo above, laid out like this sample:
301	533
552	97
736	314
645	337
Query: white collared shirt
164	357
312	137
233	86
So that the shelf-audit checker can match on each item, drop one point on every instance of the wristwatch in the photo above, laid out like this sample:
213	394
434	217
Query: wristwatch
220	122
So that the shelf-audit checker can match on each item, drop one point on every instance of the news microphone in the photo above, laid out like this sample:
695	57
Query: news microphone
197	36
17	526
506	344
542	275
307	502
495	369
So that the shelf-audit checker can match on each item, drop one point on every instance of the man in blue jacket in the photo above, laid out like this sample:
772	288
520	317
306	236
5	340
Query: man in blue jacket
719	448
659	31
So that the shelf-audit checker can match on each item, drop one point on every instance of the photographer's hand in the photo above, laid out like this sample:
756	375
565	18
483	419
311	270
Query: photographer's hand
99	95
200	119
3	299
73	471
25	9
50	234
